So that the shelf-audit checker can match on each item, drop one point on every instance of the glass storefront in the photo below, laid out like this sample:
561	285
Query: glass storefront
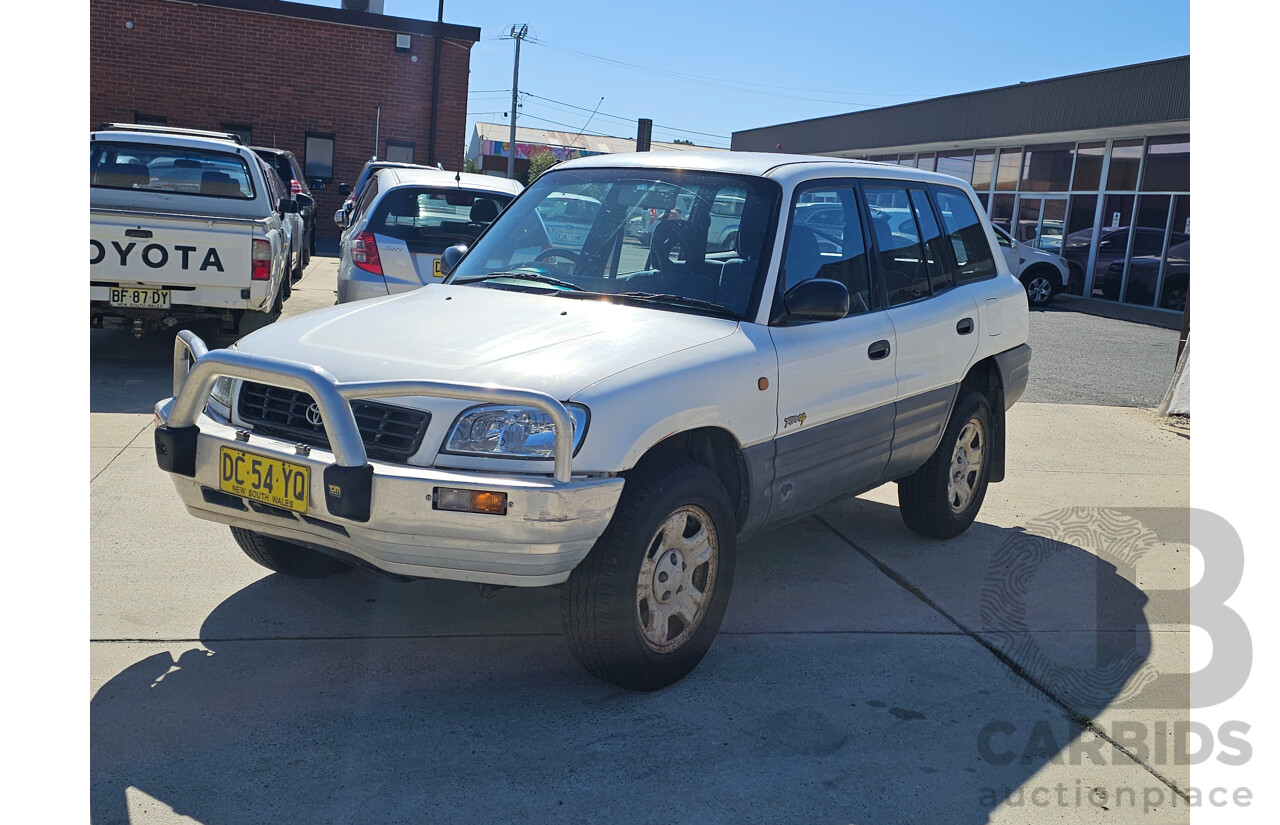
1117	211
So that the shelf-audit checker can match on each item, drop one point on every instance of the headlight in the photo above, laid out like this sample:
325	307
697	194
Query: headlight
221	393
511	432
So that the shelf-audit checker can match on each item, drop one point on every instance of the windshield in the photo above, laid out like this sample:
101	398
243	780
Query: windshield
174	169
430	218
679	240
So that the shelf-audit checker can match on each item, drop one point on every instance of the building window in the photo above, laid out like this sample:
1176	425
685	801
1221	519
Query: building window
1168	166
926	161
399	151
319	157
1008	169
958	164
150	120
1046	168
984	163
1126	157
906	160
240	130
1088	172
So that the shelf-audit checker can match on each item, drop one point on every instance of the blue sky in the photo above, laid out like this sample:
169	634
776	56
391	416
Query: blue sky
710	68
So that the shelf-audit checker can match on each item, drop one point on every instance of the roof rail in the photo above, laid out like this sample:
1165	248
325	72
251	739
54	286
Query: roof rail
171	130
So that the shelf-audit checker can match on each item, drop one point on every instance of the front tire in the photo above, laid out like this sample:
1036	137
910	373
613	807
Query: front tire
287	558
643	607
942	498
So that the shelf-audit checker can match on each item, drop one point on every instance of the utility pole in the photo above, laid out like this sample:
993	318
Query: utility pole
518	32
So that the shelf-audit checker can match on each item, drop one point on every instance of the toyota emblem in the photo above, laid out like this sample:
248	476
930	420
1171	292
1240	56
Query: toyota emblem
313	415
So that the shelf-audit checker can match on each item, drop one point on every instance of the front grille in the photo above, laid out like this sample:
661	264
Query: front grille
389	433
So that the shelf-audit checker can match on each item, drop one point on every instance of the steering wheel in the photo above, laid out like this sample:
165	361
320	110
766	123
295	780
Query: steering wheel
558	252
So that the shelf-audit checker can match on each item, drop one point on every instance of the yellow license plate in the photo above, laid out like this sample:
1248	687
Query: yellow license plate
268	480
438	272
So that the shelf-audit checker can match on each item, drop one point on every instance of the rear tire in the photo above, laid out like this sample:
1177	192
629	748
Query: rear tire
287	558
942	498
1039	285
643	607
251	320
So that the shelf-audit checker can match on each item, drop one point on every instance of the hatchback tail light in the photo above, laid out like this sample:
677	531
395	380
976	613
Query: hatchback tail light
261	260
364	253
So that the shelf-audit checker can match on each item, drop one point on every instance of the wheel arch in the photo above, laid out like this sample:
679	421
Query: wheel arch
987	379
712	447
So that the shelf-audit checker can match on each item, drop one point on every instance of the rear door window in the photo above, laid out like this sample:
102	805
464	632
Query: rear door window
900	253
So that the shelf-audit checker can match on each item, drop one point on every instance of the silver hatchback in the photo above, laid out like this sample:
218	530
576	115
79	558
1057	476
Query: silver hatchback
405	218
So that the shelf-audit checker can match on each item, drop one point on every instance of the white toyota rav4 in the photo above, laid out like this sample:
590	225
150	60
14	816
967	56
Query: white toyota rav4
612	418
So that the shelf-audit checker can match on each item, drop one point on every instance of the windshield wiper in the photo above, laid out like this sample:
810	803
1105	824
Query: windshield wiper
523	276
679	300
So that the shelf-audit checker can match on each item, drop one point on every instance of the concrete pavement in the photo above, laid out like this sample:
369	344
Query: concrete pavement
863	674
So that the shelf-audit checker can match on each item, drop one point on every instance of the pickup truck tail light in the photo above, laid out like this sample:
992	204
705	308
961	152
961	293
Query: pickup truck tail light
261	260
364	253
295	187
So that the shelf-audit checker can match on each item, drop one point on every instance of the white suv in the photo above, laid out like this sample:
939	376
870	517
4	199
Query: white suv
613	417
1042	273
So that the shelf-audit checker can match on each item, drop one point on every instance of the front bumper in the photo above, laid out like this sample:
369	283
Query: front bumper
386	517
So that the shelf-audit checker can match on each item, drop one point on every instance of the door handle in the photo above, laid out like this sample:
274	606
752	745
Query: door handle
964	326
878	350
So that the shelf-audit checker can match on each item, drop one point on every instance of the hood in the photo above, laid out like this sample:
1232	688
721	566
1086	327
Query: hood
478	335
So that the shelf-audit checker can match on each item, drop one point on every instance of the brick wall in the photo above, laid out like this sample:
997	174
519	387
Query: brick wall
205	66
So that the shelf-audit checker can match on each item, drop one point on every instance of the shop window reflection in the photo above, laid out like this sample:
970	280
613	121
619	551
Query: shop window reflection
1177	261
1078	240
1147	251
1113	241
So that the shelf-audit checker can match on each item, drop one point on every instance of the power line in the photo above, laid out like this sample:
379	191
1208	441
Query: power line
733	85
626	119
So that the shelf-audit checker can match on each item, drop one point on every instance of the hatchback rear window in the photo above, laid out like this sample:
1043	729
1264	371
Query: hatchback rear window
435	217
170	169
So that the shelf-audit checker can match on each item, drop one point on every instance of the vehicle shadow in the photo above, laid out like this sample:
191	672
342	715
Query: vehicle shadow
832	694
129	375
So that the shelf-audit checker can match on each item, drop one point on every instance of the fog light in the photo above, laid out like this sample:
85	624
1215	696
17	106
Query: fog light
470	501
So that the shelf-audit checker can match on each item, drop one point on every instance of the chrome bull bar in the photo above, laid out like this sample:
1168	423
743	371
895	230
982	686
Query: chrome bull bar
196	369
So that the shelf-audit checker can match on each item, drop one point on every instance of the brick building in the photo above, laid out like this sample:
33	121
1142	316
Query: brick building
334	86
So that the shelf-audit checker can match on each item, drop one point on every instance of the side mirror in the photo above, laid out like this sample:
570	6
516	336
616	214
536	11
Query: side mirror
287	206
344	189
817	299
304	201
317	184
450	257
340	218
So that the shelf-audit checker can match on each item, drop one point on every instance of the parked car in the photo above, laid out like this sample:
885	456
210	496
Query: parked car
294	228
352	192
182	226
405	218
611	419
289	169
1145	269
1113	242
1042	273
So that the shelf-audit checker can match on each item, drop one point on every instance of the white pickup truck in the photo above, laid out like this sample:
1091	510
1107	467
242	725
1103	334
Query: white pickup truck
613	416
184	226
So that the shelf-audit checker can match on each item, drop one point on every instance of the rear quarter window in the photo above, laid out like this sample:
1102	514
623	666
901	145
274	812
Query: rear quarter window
968	237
